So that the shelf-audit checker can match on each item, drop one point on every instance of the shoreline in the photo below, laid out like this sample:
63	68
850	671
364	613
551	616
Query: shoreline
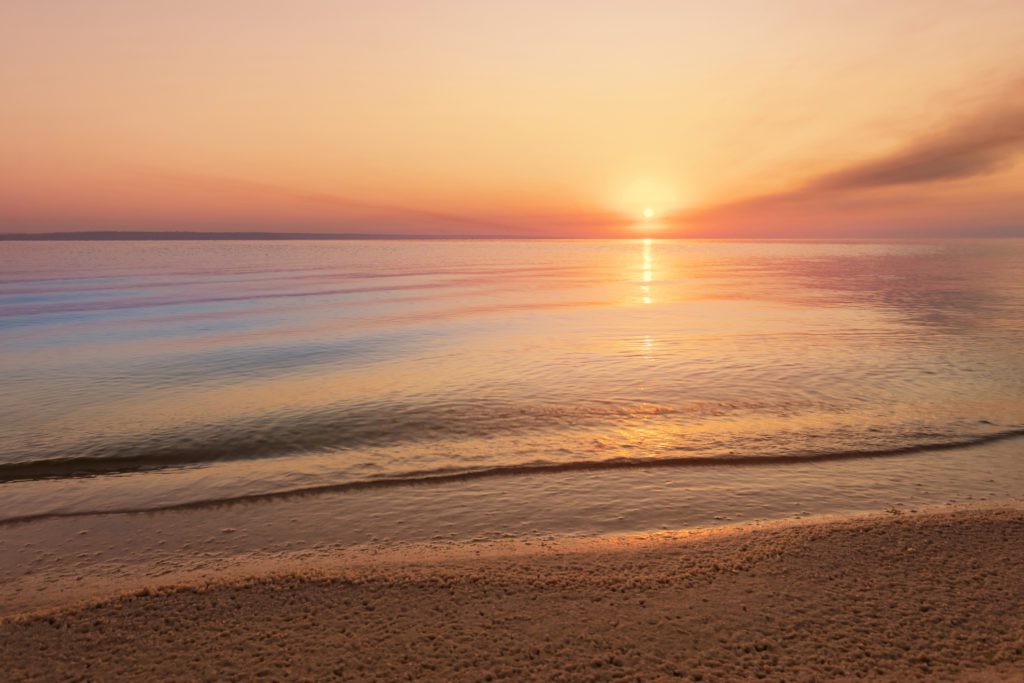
37	471
930	595
56	562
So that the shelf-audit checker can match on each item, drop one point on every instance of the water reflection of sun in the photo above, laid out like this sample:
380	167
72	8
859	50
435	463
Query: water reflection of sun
647	271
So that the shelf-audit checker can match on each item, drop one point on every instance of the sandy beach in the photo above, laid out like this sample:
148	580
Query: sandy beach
898	596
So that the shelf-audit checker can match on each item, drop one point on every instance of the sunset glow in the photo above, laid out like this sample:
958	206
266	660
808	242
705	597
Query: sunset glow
740	118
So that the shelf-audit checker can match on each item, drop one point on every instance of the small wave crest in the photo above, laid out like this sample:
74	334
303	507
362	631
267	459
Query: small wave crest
453	475
317	431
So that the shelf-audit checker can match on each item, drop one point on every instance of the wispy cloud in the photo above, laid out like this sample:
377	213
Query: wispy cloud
339	212
336	212
982	143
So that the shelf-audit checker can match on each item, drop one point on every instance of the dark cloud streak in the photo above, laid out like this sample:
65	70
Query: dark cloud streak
982	143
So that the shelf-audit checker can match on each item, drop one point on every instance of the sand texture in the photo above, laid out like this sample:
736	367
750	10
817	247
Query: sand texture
937	596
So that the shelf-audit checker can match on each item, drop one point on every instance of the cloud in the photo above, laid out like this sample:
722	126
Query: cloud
332	211
337	212
982	143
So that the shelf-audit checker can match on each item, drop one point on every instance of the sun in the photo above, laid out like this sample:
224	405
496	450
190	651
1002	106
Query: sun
648	213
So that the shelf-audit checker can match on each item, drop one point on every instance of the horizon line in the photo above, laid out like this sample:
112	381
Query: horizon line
201	235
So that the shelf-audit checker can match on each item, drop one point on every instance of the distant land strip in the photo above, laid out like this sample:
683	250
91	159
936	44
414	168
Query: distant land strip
111	235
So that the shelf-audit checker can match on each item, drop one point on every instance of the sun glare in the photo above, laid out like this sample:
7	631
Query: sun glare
648	213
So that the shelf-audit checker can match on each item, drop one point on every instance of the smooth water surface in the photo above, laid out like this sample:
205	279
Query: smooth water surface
141	375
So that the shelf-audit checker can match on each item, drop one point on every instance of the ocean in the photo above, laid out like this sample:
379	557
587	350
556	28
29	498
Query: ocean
141	376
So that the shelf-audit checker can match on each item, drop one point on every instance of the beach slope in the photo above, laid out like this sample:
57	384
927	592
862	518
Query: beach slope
936	596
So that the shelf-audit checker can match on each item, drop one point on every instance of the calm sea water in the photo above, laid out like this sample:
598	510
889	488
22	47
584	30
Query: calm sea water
144	375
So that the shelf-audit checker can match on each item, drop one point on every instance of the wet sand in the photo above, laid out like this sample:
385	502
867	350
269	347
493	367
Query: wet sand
935	596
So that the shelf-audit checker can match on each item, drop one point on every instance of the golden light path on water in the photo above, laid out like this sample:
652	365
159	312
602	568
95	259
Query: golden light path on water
647	272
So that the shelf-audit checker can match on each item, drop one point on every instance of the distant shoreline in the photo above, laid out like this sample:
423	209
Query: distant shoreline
114	235
193	236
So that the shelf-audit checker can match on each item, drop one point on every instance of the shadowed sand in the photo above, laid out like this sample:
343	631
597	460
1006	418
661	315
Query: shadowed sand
936	596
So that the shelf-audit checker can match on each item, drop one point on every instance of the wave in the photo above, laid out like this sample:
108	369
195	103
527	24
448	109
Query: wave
453	475
329	428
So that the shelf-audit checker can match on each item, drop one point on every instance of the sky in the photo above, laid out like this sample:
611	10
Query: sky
773	118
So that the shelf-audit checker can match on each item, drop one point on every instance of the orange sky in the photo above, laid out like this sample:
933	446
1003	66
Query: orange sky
820	118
